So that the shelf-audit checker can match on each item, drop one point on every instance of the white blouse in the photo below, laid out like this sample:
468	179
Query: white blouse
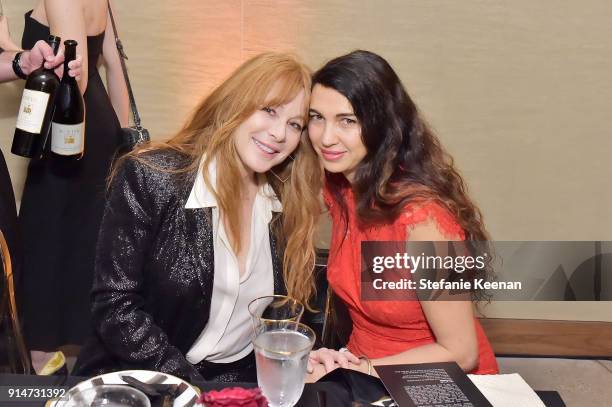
227	336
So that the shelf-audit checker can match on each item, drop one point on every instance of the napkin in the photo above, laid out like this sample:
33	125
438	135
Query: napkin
506	390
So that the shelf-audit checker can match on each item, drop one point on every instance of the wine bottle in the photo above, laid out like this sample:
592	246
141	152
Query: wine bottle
35	110
67	124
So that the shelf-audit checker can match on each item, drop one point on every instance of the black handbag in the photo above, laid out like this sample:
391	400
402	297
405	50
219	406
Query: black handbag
135	134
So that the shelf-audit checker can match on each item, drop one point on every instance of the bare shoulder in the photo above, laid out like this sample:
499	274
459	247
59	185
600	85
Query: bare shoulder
50	5
54	7
93	12
39	12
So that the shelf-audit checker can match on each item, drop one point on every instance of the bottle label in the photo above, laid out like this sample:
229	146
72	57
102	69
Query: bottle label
66	139
32	110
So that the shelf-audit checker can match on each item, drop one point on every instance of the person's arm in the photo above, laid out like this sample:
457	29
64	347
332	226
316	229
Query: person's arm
33	59
117	89
67	19
6	42
6	66
452	322
126	234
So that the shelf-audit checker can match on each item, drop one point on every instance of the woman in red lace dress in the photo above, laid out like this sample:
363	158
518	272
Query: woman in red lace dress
389	179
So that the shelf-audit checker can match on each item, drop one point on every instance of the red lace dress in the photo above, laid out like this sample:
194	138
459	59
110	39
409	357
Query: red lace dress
384	328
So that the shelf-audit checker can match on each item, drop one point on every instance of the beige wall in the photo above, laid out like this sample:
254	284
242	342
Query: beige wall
519	92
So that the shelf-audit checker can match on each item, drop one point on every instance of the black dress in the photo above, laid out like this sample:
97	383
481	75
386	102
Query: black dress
60	216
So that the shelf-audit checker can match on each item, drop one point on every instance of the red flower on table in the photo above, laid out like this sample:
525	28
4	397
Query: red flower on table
233	397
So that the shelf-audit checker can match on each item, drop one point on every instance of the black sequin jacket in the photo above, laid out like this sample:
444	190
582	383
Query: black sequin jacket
154	271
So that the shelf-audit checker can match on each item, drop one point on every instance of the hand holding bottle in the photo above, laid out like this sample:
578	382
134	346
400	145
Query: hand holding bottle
31	60
36	107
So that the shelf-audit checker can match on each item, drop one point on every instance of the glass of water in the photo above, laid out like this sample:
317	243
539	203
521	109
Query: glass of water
275	308
281	355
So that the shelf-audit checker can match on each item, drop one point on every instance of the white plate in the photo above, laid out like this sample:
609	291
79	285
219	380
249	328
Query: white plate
186	399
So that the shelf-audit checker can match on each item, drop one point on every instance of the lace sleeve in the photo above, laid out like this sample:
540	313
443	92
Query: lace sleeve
434	215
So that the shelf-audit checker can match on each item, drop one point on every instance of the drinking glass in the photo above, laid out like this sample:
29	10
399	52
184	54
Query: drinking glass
107	395
281	356
275	308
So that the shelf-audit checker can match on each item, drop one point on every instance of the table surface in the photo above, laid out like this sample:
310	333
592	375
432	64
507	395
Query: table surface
334	393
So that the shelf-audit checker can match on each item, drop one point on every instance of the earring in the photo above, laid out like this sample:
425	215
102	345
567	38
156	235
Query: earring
290	156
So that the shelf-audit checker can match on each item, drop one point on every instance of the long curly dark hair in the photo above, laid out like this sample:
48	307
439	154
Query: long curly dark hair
405	161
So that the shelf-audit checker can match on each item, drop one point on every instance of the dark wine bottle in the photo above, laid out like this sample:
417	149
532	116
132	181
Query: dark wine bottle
35	110
67	124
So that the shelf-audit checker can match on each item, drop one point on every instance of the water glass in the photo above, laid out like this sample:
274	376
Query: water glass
275	308
281	355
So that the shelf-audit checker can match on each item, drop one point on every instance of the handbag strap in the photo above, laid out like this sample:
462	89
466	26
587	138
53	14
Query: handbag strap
122	58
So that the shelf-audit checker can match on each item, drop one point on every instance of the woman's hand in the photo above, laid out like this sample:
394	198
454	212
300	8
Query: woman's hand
330	359
74	68
318	371
363	367
323	360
